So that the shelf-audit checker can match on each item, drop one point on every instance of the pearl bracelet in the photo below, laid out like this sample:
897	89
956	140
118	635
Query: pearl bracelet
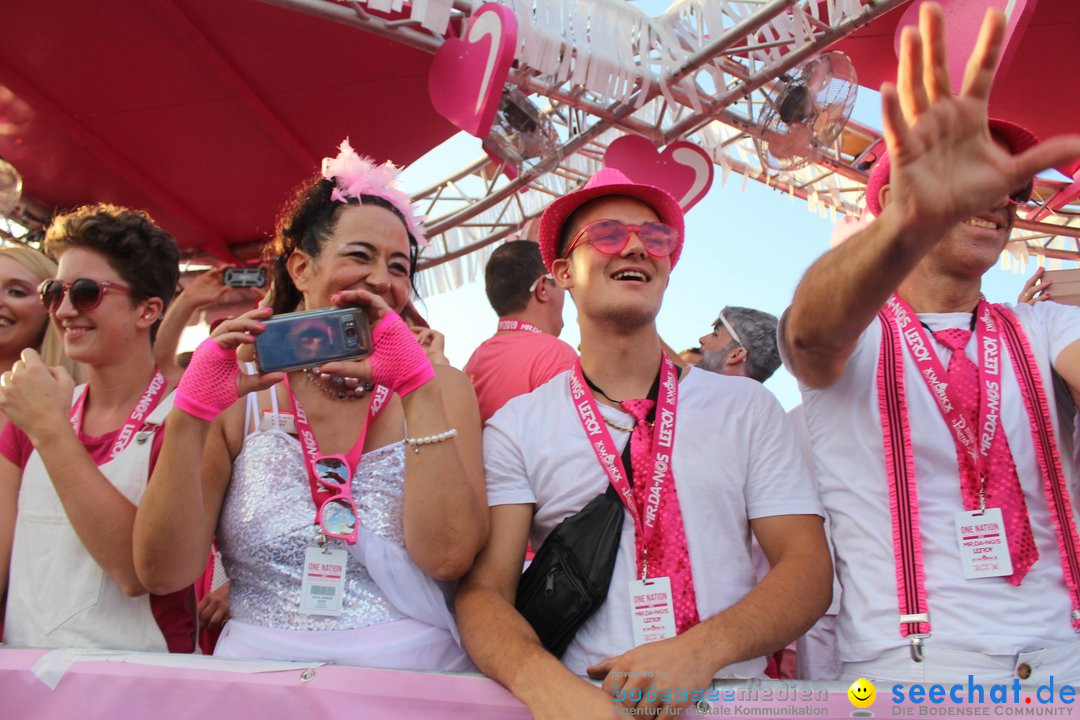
416	442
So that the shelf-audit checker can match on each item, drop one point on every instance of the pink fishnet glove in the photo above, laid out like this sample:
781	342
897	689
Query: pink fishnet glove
398	362
208	385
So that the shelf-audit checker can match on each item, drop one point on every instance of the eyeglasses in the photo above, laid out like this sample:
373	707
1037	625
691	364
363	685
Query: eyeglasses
731	330
85	294
337	513
1023	195
536	282
611	237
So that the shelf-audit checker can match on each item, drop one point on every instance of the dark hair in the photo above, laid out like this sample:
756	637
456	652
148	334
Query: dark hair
143	254
306	222
513	267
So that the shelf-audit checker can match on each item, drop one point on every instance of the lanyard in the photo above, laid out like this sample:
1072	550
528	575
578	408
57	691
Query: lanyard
150	399
520	325
663	439
973	443
310	445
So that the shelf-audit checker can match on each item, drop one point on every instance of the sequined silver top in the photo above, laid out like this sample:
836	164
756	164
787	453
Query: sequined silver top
268	520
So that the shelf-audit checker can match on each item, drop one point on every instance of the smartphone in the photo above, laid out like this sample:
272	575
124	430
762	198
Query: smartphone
294	341
245	277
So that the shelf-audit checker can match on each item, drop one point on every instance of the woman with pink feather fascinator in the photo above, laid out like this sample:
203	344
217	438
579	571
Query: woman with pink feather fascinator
348	498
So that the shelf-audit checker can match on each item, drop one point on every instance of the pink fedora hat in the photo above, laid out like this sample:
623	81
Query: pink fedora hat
608	181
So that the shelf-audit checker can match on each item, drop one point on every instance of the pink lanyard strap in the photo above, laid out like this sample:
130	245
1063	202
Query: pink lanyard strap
310	445
518	325
146	405
657	487
900	464
973	448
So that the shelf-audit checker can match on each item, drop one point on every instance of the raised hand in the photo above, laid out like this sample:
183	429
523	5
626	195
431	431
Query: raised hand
945	164
1036	289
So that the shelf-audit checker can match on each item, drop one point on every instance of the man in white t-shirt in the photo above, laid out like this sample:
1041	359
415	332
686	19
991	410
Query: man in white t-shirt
731	468
948	482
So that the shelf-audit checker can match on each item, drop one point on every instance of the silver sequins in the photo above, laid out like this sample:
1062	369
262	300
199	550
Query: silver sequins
268	520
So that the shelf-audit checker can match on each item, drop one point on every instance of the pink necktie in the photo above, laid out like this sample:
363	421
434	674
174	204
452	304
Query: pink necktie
1002	484
668	554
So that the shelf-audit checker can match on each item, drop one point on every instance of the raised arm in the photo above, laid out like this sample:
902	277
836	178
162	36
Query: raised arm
200	292
945	167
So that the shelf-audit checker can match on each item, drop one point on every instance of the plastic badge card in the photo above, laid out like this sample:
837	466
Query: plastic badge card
324	581
651	610
984	549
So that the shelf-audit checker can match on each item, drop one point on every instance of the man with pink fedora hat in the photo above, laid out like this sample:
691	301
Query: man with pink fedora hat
695	463
942	444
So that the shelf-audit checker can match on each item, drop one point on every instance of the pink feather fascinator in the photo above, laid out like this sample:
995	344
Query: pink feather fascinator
354	176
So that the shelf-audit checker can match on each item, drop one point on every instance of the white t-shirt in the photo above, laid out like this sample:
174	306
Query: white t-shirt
986	615
735	458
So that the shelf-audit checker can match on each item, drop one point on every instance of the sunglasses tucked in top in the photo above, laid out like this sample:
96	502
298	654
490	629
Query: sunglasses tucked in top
85	294
611	237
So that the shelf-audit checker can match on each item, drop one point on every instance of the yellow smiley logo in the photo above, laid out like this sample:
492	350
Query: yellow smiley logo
862	693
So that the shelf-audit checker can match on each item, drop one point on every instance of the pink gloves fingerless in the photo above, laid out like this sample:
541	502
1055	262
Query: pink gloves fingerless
208	385
398	362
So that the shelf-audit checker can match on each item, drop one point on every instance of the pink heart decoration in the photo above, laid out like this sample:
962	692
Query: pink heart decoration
467	76
683	168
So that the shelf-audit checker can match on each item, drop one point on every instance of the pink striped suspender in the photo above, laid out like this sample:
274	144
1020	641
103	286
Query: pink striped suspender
903	495
1042	432
900	471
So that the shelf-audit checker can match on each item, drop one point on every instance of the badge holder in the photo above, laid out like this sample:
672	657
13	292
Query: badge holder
323	588
984	547
652	612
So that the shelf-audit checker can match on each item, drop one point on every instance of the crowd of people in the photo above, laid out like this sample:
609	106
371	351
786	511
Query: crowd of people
581	525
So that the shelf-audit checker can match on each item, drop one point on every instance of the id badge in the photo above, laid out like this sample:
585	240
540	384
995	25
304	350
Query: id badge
323	586
651	610
285	422
984	549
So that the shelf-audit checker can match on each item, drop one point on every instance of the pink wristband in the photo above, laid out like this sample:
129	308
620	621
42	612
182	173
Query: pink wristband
398	362
208	385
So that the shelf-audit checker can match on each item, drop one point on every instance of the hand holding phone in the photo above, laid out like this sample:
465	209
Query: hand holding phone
294	341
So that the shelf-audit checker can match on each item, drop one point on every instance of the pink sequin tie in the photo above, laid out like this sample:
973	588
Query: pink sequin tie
667	551
1002	484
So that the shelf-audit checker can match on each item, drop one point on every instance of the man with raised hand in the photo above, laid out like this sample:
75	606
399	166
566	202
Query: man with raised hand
933	418
720	462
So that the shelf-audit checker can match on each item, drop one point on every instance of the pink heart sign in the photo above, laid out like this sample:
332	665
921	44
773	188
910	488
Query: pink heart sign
467	76
683	168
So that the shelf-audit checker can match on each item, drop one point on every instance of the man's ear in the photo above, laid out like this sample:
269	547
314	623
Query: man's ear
561	270
300	265
883	195
738	357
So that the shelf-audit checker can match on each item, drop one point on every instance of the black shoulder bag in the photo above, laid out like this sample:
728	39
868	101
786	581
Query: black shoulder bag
570	574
